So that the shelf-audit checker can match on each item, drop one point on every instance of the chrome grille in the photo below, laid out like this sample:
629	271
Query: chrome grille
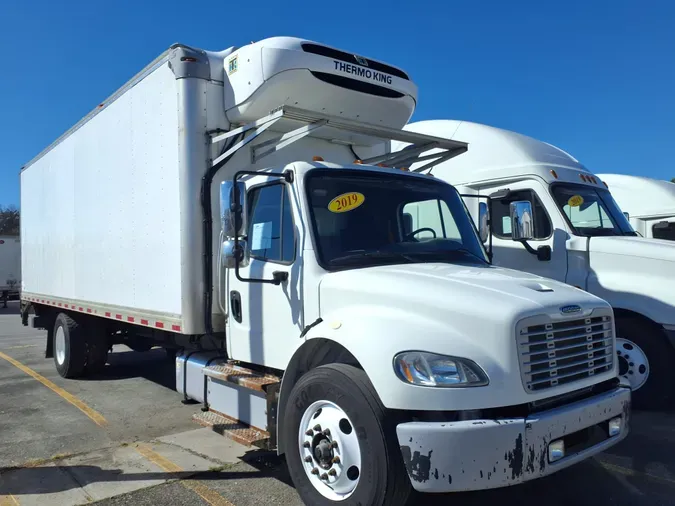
555	353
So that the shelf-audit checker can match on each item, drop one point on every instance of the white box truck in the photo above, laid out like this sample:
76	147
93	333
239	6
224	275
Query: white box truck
579	235
214	205
649	204
10	267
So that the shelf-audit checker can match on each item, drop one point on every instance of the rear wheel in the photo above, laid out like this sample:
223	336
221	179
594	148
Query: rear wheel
342	448
70	349
646	362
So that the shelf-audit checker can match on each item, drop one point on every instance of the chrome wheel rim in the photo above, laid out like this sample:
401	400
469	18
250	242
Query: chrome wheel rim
329	450
633	363
60	345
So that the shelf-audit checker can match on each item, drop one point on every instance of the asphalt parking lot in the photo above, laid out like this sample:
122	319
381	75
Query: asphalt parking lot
123	437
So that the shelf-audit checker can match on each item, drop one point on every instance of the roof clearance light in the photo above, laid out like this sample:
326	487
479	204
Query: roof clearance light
595	181
358	162
583	178
554	174
606	185
381	165
317	159
405	169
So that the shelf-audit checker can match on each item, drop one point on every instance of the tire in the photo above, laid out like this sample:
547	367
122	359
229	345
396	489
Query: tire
655	391
382	478
70	347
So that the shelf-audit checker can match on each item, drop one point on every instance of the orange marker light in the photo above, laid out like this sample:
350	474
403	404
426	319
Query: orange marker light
554	174
606	185
358	162
406	372
317	159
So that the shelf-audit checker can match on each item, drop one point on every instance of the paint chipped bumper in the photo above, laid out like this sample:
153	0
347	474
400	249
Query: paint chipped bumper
482	454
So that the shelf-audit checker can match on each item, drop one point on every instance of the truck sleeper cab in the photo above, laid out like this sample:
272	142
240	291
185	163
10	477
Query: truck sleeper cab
649	204
341	313
579	235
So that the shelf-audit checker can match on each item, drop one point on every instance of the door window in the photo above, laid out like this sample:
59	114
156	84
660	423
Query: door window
432	218
271	232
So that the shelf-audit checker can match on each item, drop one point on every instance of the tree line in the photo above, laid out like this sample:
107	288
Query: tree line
9	220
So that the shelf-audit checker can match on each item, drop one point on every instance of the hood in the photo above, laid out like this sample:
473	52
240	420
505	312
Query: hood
450	309
655	249
635	274
468	289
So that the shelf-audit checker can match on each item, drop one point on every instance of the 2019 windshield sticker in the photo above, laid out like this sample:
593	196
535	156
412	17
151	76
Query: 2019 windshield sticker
575	201
346	202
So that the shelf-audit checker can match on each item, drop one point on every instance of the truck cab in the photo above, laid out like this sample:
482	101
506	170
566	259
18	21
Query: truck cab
649	204
579	236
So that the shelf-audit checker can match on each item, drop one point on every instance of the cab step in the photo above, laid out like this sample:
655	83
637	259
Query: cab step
234	429
241	376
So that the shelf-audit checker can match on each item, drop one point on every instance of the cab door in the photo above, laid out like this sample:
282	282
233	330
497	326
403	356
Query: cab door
264	319
549	231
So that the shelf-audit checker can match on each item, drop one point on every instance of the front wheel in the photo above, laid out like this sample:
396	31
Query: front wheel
646	362
341	446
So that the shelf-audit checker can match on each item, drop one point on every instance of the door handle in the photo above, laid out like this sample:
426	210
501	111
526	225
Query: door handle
235	305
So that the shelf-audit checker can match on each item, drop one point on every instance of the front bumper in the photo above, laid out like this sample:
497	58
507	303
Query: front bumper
482	454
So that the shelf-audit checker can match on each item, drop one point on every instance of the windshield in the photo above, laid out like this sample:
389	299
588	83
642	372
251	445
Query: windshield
363	219
591	211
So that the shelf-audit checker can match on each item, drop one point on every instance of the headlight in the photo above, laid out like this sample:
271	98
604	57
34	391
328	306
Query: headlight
431	370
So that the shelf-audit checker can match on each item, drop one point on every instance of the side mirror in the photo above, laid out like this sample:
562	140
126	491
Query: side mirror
228	254
233	218
483	227
522	224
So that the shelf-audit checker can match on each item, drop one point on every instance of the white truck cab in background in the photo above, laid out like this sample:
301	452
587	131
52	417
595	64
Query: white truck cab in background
10	268
648	203
579	235
312	313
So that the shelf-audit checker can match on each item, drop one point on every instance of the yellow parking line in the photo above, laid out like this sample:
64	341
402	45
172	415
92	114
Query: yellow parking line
8	500
97	417
208	494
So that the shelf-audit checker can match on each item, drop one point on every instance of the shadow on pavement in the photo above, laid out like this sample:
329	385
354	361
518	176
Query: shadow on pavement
11	309
54	479
153	365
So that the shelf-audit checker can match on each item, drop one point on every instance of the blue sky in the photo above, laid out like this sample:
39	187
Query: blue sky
594	78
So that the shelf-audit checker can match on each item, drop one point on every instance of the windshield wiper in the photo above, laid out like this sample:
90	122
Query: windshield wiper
450	251
360	254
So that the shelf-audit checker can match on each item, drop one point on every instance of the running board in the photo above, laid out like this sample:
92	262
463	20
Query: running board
233	429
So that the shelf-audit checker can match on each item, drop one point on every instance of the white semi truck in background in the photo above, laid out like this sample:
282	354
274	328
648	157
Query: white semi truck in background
10	268
214	206
579	236
649	204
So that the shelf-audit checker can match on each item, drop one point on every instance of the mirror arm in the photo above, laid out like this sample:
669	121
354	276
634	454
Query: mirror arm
529	248
543	253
